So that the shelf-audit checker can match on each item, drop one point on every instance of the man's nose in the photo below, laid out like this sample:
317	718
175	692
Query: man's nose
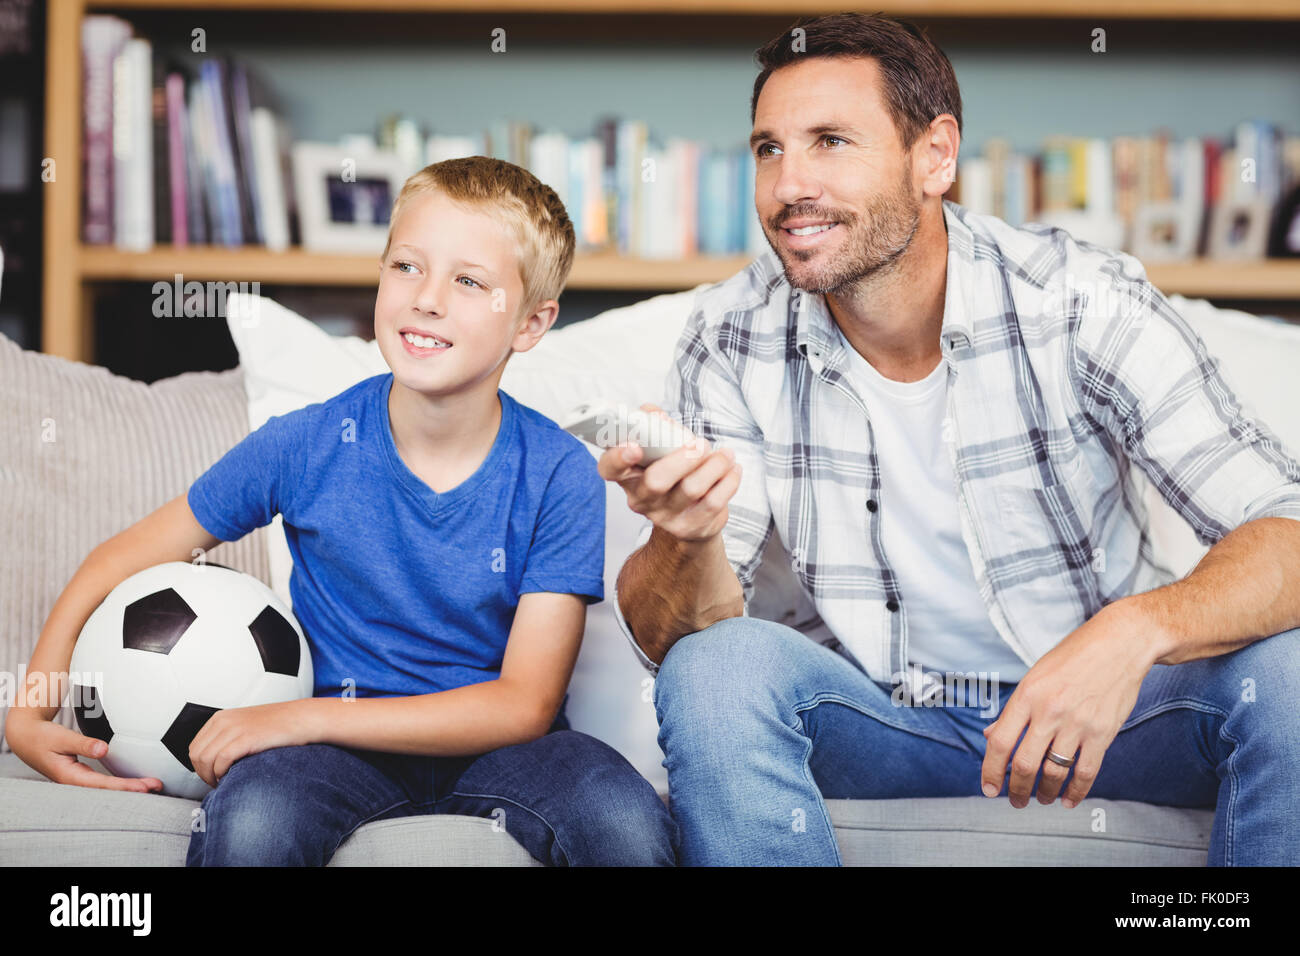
795	181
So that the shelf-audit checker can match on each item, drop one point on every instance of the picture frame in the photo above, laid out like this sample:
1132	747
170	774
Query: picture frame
1239	230
1165	232
345	195
1284	242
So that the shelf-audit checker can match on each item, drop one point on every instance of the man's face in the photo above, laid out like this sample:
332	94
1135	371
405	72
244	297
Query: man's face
451	273
833	187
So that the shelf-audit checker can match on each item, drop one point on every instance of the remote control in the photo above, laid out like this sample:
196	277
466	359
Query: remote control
608	424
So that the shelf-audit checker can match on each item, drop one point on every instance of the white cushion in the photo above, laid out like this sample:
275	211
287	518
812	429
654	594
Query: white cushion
1257	358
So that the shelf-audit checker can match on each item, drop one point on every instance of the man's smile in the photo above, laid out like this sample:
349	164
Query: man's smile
807	234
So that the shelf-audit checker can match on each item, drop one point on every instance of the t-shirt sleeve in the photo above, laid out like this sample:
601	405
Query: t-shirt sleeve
251	483
567	555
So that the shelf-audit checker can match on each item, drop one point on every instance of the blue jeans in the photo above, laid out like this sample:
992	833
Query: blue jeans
568	798
759	725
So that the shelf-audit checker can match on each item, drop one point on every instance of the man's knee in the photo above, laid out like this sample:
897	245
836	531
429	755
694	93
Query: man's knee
1262	681
729	667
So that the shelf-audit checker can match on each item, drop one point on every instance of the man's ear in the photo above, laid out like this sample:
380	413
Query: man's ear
535	325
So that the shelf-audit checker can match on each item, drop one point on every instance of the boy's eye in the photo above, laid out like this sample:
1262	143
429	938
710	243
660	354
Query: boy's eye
472	282
398	266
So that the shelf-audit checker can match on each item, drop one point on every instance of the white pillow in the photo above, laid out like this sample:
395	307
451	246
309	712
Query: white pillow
622	354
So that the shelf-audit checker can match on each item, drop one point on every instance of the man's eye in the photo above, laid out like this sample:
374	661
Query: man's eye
836	138
765	146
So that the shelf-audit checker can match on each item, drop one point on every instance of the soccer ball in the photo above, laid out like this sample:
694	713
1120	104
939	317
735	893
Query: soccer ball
167	649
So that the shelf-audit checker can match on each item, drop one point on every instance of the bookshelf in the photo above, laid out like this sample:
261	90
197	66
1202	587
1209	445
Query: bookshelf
74	272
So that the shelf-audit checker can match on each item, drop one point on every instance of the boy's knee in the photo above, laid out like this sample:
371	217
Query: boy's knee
250	819
613	816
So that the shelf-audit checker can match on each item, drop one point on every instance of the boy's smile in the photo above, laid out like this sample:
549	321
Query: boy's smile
420	343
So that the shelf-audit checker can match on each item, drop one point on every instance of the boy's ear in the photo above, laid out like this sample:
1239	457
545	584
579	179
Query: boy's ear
535	325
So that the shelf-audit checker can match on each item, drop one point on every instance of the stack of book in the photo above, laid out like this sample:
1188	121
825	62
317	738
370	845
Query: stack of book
628	192
176	155
1113	179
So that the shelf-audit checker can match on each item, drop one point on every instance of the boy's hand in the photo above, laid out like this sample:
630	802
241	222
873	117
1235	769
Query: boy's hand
52	749
239	731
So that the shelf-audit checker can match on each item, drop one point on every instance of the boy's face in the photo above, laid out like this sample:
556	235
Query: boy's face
452	274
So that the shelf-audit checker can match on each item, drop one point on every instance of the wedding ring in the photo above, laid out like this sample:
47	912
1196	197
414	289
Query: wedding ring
1056	758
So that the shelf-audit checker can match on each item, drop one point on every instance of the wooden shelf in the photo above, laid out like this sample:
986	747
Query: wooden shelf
1205	278
299	267
1270	279
1051	9
73	271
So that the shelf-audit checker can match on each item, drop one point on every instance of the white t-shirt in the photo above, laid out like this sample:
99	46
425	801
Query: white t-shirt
948	626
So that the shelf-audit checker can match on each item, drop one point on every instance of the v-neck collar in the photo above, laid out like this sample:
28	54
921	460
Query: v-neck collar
415	486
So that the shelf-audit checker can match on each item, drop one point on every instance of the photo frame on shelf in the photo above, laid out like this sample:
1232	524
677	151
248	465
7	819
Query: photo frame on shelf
1239	230
345	196
1164	232
1284	242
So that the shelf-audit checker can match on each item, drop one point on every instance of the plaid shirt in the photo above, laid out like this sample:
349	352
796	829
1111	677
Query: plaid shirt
1065	368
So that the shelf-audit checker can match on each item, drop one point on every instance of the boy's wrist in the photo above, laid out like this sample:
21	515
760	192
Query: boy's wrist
313	718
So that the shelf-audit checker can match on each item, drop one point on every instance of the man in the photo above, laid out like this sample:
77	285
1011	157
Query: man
938	414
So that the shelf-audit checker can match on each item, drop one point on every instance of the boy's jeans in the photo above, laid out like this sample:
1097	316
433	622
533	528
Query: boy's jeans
568	798
758	724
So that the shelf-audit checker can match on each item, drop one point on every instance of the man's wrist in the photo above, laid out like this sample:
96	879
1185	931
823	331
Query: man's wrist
1143	616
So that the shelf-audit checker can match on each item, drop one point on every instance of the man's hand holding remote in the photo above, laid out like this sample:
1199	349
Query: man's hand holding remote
685	496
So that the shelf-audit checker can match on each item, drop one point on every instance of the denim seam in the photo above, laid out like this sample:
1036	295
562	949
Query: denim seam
1232	793
831	697
362	823
1190	703
821	801
492	796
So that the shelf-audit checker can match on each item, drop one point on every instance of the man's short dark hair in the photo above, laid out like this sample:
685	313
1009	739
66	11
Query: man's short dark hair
919	83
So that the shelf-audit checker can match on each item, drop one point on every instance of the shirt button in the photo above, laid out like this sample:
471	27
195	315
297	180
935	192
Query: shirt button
871	505
891	604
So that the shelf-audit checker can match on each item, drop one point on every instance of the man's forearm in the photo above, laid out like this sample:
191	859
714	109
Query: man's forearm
473	719
670	588
1247	587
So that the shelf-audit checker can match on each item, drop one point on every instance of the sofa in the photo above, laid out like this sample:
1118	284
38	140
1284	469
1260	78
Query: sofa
84	453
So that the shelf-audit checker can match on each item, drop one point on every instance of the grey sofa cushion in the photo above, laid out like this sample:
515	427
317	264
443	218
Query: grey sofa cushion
43	823
84	454
51	824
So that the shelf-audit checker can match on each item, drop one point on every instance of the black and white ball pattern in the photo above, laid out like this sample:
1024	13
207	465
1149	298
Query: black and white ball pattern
167	649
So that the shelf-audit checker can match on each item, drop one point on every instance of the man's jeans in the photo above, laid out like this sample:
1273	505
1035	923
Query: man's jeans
568	798
759	724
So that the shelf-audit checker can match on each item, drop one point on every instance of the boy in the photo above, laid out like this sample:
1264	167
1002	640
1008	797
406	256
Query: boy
446	541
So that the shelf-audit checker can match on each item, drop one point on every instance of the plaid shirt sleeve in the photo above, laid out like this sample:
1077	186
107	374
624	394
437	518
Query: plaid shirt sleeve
1143	374
704	393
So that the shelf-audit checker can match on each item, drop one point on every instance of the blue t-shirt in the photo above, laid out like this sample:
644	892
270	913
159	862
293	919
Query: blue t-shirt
398	588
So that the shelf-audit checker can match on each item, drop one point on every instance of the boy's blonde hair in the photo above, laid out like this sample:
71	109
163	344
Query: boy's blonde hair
529	210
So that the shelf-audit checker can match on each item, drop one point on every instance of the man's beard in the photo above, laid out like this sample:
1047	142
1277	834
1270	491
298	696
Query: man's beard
891	222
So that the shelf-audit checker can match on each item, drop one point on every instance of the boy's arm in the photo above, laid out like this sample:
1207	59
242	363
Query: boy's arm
515	708
171	533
